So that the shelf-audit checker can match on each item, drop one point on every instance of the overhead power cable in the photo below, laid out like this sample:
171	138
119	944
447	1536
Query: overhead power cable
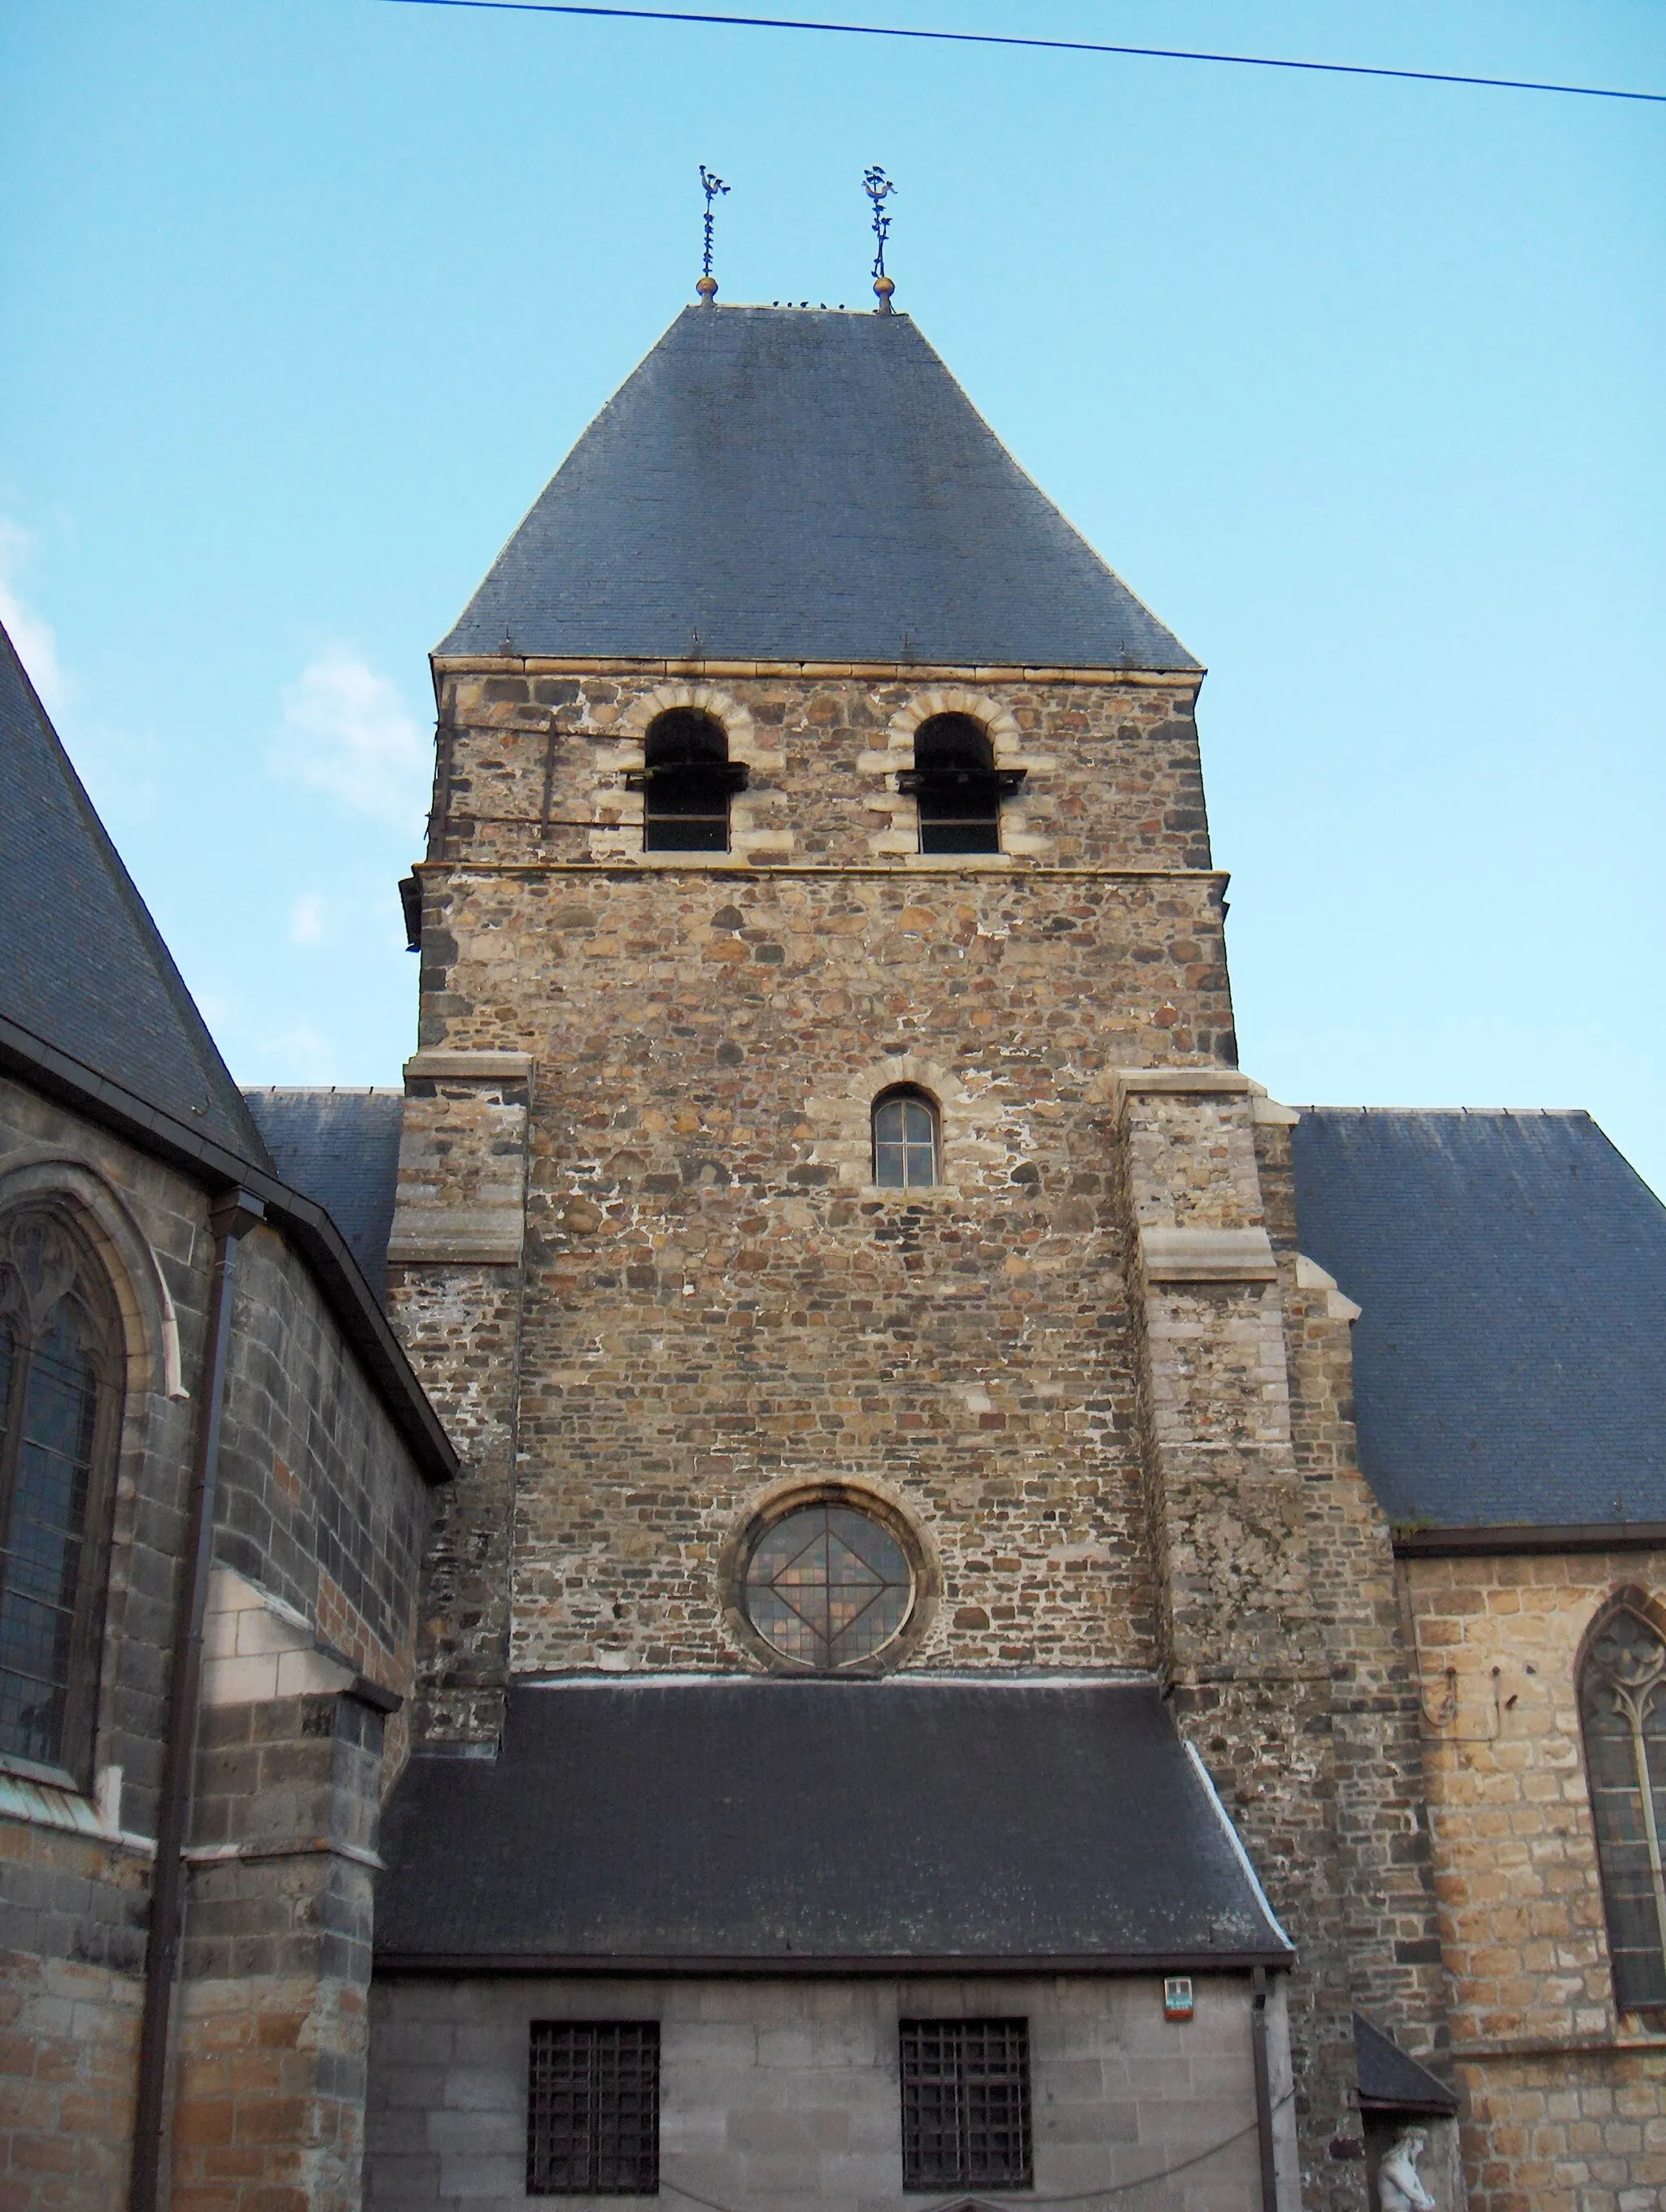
1081	2197
1041	45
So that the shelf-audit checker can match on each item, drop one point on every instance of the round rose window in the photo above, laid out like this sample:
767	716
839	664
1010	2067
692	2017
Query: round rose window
828	1586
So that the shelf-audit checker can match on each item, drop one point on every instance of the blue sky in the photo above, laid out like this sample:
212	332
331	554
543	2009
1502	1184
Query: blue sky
1358	383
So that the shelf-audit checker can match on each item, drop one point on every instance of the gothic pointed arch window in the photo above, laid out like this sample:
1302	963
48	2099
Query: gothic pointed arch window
687	780
60	1408
957	786
1622	1705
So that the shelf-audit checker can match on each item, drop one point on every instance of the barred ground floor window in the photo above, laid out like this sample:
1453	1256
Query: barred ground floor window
966	2104
592	2109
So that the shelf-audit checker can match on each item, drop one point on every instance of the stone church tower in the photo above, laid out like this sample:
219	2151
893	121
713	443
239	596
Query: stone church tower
833	1568
911	1562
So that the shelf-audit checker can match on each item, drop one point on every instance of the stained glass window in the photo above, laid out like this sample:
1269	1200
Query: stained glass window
904	1141
966	2104
828	1586
592	2109
52	1446
1623	1705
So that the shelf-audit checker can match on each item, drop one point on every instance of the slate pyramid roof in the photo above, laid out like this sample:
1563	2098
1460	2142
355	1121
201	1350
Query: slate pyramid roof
787	484
84	967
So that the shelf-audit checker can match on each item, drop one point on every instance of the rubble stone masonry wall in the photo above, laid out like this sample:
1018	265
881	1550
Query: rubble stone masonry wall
716	1300
1085	1365
1566	2097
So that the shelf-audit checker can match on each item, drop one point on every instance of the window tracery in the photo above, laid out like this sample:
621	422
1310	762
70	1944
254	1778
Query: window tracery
828	1585
1623	1711
60	1405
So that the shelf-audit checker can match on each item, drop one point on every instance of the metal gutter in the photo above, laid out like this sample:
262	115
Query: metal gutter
1258	2044
795	1963
309	1226
231	1218
1507	1539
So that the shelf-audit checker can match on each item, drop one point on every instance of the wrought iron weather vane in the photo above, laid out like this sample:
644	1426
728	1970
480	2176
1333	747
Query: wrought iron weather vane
878	187
712	186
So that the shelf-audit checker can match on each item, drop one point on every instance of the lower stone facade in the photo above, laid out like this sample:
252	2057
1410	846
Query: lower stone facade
1565	2095
777	2093
69	2024
321	1517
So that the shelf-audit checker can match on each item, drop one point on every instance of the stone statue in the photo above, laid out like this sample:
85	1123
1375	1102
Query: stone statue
1397	2181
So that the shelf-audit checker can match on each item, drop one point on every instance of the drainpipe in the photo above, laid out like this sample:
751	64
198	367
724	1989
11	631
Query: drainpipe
230	1217
1269	2180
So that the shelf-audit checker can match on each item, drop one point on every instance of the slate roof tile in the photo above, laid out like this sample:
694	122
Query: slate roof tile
84	967
678	1819
1510	1357
800	486
342	1148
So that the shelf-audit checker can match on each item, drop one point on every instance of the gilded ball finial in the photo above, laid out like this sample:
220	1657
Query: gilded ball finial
706	287
884	287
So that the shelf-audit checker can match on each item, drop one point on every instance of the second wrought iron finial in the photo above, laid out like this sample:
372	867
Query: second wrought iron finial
878	187
712	186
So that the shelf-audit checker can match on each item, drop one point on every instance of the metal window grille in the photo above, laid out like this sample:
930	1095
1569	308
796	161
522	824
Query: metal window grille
966	2104
1624	1707
592	2109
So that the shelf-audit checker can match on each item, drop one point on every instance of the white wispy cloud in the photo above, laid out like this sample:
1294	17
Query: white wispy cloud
347	732
307	919
37	646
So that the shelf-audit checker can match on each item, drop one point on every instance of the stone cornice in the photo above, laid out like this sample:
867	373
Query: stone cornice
884	671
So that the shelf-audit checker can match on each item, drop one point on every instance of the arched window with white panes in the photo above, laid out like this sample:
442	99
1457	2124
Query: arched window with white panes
1622	1708
906	1140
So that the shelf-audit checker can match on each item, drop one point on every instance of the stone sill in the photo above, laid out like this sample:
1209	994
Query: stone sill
46	1805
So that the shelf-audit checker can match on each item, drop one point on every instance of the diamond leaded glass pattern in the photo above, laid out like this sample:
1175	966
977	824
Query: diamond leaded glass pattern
52	1500
966	2104
828	1586
592	2109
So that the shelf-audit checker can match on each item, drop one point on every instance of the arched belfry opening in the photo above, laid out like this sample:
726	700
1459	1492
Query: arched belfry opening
687	780
957	786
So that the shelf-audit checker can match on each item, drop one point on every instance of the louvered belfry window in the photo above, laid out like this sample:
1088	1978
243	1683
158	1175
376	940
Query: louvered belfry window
957	786
592	2109
686	780
59	1415
1623	1706
966	2104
